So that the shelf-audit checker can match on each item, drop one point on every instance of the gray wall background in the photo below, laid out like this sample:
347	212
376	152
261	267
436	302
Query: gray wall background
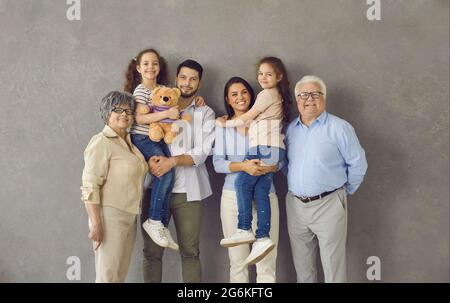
388	78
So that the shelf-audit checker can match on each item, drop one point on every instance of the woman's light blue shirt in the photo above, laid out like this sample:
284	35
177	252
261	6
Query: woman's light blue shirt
230	146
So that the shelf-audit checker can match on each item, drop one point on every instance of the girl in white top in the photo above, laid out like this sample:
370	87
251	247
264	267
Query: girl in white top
266	145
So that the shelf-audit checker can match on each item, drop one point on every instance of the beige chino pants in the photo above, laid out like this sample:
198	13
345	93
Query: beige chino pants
266	268
112	258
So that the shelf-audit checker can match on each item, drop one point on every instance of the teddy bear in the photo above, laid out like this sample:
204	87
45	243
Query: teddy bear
163	98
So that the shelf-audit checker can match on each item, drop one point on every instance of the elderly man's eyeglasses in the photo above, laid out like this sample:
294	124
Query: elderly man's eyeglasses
119	111
314	95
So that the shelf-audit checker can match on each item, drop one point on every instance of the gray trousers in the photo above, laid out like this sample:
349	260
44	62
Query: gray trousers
187	217
320	224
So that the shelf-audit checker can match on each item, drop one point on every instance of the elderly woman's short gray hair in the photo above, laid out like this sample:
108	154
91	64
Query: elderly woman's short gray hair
114	99
311	79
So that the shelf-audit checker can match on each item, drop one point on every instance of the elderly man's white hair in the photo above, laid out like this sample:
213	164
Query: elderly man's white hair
311	79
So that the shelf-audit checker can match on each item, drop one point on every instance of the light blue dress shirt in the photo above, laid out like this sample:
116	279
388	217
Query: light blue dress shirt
230	146
324	156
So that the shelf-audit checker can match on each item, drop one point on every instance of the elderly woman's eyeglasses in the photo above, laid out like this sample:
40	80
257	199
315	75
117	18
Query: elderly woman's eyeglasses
314	95
119	111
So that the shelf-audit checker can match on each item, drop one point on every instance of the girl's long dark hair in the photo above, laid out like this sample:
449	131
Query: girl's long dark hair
233	80
132	76
283	85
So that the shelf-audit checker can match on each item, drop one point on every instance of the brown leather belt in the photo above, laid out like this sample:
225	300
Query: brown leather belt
313	198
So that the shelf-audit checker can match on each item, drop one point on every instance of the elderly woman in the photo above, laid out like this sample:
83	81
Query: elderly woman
113	178
231	146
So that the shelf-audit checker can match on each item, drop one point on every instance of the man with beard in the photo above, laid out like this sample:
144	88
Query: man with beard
188	154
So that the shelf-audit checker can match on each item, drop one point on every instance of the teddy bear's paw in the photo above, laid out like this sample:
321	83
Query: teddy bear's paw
155	139
175	128
169	138
156	135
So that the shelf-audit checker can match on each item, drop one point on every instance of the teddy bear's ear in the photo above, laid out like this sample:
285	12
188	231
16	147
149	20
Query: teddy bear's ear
155	91
177	91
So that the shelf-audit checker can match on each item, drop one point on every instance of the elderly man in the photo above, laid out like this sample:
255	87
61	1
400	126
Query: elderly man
326	162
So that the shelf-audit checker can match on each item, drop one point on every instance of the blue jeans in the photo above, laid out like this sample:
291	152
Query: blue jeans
162	186
249	188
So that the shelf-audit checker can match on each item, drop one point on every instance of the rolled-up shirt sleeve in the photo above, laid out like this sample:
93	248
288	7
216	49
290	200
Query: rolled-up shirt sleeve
203	137
96	164
355	159
220	162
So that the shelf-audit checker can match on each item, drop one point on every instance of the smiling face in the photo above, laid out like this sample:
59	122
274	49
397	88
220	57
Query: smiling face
267	76
120	122
238	98
149	66
310	108
188	81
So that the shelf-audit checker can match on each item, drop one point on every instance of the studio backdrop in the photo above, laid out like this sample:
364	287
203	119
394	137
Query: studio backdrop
386	66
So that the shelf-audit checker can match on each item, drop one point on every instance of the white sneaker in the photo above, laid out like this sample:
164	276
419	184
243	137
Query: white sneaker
172	244
260	249
239	237
155	229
